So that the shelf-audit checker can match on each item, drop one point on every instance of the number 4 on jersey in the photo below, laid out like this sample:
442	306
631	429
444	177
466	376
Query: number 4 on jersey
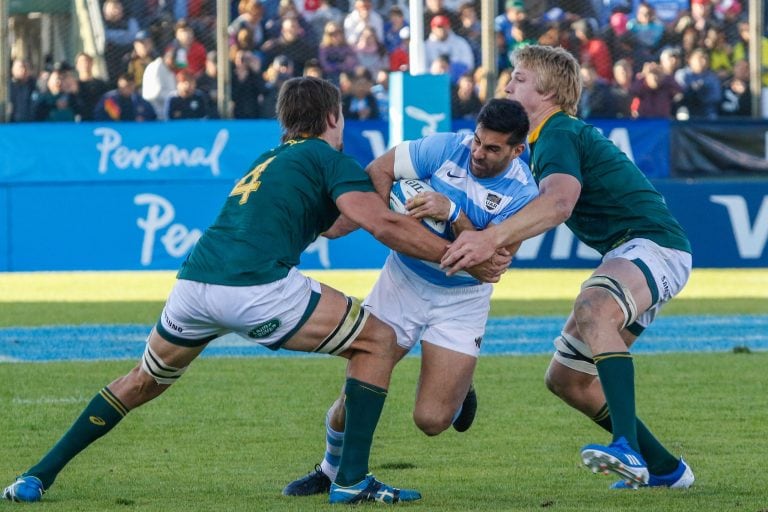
250	182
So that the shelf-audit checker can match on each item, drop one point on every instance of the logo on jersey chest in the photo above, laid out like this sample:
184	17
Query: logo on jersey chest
492	201
264	329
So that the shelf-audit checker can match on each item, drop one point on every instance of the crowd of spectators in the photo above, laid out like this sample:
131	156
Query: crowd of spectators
689	60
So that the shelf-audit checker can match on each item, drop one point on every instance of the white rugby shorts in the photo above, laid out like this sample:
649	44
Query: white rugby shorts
268	314
666	272
452	318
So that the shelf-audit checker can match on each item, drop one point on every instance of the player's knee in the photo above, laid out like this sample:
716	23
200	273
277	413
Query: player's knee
554	383
431	423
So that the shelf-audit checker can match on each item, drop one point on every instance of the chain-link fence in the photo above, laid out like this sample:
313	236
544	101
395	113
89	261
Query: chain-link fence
161	59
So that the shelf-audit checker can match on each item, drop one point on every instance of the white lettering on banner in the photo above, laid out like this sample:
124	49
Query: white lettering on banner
177	239
157	156
376	140
562	246
320	246
750	238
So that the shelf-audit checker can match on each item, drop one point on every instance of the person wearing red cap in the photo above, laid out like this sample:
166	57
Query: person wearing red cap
442	41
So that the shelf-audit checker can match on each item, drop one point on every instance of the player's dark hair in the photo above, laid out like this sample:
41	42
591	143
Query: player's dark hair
304	104
505	116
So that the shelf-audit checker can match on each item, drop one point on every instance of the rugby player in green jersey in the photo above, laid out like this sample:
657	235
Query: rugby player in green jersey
588	183
241	277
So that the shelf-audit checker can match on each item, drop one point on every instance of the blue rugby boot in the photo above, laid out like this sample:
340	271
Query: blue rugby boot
25	488
315	482
370	489
681	478
618	458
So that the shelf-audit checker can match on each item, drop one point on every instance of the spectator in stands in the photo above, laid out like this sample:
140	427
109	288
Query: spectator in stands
143	53
505	75
208	81
621	42
292	44
363	15
119	33
523	33
469	28
325	13
392	26
741	49
21	91
648	31
360	104
159	81
623	76
279	70
124	103
189	52
736	99
371	53
335	54
247	86
313	68
399	59
720	52
251	17
592	50
441	66
465	103
89	88
655	92
59	102
701	87
596	99
434	8
188	102
670	60
442	41
514	12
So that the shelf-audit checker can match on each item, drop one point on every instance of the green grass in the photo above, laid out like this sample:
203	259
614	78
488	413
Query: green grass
232	432
45	298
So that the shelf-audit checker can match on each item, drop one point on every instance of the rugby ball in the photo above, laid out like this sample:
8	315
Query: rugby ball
403	190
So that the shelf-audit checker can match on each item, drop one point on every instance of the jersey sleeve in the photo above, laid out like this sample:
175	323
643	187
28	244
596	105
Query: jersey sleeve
426	155
558	153
346	175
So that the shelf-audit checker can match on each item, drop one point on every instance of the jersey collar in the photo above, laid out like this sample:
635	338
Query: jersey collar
534	135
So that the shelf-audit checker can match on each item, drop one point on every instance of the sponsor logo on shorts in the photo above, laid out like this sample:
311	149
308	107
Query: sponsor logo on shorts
492	201
172	325
97	421
478	341
264	329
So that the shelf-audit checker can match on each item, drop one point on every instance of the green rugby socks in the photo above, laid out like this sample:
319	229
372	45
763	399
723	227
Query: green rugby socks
100	415
364	403
617	376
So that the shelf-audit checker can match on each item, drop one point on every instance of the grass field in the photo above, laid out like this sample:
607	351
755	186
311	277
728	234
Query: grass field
232	432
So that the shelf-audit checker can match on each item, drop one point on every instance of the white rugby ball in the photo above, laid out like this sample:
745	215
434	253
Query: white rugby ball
403	190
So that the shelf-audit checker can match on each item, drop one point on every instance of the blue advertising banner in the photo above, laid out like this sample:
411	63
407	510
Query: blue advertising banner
59	211
182	150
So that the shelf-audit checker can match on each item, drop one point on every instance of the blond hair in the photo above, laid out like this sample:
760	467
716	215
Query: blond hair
557	72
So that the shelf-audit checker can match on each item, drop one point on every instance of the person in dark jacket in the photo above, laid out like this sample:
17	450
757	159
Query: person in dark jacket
124	103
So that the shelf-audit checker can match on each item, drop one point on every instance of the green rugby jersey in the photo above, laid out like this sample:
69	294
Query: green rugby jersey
286	199
617	202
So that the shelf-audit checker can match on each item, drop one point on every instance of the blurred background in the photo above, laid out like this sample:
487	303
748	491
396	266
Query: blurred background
677	59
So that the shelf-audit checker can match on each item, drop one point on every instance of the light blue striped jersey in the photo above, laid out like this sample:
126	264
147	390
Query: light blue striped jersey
443	159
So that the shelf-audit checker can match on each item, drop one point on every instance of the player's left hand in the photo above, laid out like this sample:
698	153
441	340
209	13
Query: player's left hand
469	249
429	204
491	270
